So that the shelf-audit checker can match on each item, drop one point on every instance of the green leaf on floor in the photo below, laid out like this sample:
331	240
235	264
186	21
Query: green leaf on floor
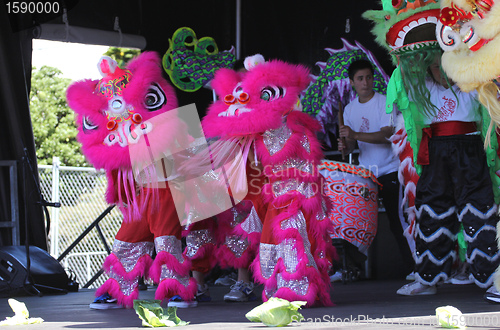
153	315
276	312
21	315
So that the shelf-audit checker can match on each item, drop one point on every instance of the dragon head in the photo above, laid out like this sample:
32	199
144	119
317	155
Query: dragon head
254	101
403	22
115	112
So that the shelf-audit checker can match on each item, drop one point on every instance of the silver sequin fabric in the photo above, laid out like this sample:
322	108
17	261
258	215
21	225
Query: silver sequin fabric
271	253
238	216
167	273
298	222
322	215
305	143
300	287
294	163
126	286
252	224
236	244
281	187
129	253
275	139
196	239
171	245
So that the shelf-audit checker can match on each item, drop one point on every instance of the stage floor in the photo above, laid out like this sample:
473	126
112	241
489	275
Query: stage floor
364	304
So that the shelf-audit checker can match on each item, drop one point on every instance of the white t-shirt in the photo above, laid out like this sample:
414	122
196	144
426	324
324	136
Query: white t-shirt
452	104
370	117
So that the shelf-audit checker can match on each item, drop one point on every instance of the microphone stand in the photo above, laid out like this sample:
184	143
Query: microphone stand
29	286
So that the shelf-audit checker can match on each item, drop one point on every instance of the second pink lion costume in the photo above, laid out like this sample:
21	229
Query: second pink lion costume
129	117
261	107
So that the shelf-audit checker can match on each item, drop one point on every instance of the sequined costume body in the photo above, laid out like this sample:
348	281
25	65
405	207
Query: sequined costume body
261	107
127	121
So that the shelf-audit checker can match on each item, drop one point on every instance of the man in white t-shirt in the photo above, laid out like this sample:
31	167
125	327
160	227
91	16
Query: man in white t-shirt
366	122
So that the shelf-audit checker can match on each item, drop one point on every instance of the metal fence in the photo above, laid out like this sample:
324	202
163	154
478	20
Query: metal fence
80	191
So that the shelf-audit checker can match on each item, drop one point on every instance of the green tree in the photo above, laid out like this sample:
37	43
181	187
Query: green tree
53	122
122	55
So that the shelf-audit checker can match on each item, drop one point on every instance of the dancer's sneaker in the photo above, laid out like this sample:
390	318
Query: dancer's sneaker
105	301
226	280
203	295
492	295
177	301
461	279
241	291
410	277
336	277
416	289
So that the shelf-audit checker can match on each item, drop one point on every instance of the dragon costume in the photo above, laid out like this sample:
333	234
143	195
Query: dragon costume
407	29
117	117
468	32
260	108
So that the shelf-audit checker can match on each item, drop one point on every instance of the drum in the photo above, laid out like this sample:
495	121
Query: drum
353	191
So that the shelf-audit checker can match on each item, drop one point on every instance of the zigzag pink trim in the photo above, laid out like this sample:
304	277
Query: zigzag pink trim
319	285
112	287
113	265
165	258
170	287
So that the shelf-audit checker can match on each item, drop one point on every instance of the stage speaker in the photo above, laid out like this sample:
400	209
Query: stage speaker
47	274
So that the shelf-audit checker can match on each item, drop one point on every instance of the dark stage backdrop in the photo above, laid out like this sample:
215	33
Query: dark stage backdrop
295	31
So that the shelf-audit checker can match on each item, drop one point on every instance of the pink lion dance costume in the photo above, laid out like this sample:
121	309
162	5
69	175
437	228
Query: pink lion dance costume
115	114
261	107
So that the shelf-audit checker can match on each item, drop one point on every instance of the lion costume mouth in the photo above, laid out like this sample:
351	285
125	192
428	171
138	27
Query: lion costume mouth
416	28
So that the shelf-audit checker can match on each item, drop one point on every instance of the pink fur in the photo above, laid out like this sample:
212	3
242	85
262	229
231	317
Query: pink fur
145	71
264	115
112	287
140	268
165	258
171	287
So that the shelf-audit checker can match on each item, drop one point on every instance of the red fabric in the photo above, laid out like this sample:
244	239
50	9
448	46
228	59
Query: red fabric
159	220
446	128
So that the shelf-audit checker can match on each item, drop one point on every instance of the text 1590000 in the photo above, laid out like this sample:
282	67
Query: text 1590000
17	7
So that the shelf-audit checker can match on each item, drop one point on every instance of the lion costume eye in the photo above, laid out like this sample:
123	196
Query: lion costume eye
155	98
271	93
88	125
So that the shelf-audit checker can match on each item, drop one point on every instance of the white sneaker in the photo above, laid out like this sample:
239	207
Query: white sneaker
410	277
241	291
105	301
226	280
492	295
336	277
416	289
177	301
461	279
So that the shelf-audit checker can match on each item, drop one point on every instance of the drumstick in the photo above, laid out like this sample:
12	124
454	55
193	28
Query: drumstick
341	123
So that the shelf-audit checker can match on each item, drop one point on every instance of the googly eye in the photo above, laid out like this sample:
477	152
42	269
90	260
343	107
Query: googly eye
270	93
155	98
88	125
